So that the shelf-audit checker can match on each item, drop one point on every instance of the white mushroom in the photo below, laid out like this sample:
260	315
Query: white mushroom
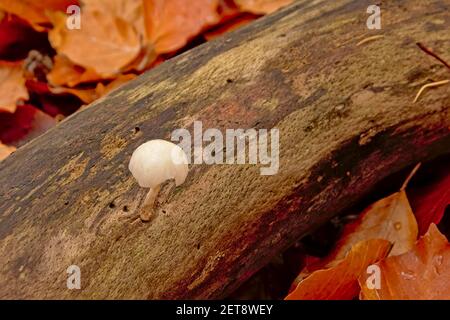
153	163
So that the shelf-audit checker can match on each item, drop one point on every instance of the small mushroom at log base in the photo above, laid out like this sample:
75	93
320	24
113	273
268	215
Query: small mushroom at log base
153	163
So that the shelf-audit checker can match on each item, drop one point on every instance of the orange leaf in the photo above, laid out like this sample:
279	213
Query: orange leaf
5	151
64	72
131	11
170	24
262	6
101	90
231	25
86	95
105	43
35	11
341	281
12	86
420	274
227	10
390	218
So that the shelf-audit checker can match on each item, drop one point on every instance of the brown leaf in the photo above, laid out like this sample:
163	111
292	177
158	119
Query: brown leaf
66	73
170	24
420	274
262	6
105	43
12	86
341	280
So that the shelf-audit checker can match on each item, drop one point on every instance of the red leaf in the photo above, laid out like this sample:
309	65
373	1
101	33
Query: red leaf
14	126
430	201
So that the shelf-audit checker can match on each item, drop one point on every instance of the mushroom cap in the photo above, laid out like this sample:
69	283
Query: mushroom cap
156	161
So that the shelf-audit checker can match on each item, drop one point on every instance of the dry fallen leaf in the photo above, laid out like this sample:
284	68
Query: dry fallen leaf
35	11
5	151
420	274
390	218
341	280
262	6
104	44
170	24
116	83
66	73
231	25
12	86
131	11
86	95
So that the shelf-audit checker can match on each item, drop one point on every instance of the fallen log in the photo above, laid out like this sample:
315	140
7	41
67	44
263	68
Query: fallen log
346	119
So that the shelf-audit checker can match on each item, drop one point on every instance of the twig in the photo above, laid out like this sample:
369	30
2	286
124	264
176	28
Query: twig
413	172
372	38
431	53
429	85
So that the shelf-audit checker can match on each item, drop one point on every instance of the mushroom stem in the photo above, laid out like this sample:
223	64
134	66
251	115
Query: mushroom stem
148	207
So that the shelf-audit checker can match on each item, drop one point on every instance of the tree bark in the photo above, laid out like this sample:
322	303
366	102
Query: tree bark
346	118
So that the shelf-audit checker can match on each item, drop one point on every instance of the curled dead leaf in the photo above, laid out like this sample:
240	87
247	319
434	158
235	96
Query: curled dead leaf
66	73
420	274
170	24
390	218
341	280
104	44
88	95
